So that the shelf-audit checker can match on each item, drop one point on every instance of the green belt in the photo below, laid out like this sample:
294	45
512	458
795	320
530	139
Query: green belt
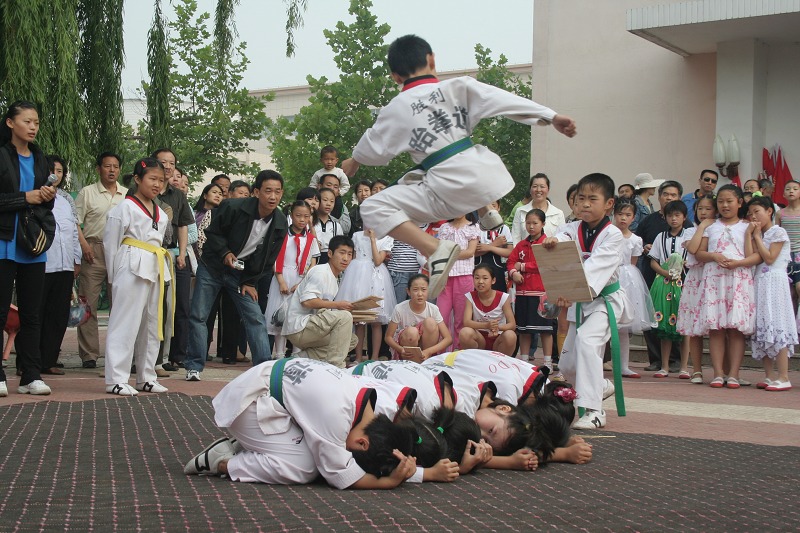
612	324
358	370
276	379
443	154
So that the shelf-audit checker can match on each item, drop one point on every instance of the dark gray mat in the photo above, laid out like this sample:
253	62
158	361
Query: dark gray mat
117	465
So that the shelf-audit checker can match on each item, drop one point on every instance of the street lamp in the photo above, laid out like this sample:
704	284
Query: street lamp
727	161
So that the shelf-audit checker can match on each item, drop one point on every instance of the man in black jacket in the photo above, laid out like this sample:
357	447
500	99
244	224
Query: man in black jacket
242	243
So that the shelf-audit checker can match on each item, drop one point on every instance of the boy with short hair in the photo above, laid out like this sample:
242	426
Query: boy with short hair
437	117
314	322
600	244
329	156
327	226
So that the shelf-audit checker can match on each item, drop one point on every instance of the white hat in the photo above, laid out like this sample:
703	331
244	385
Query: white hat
646	181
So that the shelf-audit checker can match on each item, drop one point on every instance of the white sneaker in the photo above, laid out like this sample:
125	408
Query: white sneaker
491	219
151	386
3	389
777	386
439	265
591	420
121	389
608	390
206	463
37	387
192	375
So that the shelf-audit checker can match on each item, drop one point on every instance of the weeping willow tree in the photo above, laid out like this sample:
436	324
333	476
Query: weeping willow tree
40	46
225	26
25	32
100	64
159	88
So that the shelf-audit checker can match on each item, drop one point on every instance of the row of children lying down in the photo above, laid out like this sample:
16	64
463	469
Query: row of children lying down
381	423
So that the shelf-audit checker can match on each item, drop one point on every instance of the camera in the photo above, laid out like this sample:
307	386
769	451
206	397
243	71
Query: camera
238	264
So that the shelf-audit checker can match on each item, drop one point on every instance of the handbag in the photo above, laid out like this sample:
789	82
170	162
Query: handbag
279	316
36	229
79	310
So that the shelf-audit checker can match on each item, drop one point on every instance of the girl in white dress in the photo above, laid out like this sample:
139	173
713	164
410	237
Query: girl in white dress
368	276
630	278
729	293
776	332
689	316
299	252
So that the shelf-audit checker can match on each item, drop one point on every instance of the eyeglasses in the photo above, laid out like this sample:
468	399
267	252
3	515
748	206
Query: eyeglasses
710	180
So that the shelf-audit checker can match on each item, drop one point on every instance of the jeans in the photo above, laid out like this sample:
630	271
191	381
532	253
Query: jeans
400	282
205	292
180	334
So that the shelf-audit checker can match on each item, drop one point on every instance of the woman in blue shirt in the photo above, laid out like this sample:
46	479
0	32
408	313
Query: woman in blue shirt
23	174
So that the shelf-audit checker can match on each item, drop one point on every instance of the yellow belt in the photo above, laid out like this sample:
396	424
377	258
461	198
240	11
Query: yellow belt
162	255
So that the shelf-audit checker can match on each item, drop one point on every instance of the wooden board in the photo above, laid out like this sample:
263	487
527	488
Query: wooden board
412	352
562	272
370	302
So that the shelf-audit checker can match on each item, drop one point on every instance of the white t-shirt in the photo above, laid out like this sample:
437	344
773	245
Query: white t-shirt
404	317
318	283
667	244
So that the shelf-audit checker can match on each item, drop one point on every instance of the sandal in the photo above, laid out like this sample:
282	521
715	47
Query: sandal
684	375
697	378
661	374
733	383
717	383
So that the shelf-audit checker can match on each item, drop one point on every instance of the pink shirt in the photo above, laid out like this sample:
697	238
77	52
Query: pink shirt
462	237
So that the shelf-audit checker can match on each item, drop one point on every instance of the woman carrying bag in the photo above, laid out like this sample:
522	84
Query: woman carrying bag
26	231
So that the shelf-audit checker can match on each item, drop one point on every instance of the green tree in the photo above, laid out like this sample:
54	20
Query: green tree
508	139
339	112
100	64
213	118
159	89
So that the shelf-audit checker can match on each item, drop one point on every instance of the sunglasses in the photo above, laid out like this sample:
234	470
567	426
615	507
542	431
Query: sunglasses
710	180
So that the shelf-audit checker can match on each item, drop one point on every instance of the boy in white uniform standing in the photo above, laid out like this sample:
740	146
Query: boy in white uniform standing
433	120
601	244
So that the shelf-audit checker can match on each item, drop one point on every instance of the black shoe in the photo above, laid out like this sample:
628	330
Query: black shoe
89	364
170	367
229	361
652	367
59	365
209	358
133	369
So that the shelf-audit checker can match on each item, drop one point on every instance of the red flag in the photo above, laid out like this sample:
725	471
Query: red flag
766	163
787	174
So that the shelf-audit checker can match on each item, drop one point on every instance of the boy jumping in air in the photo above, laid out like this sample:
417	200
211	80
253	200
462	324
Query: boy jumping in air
433	120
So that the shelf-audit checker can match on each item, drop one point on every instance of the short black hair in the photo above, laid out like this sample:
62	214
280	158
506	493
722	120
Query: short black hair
322	178
384	437
328	150
103	155
709	171
671	183
484	266
235	184
327	189
764	183
221	177
599	181
408	54
676	206
627	185
382	182
538	213
157	151
340	240
763	201
362	183
306	193
265	175
415	277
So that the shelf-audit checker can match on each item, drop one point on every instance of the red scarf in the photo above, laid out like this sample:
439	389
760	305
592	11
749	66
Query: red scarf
301	258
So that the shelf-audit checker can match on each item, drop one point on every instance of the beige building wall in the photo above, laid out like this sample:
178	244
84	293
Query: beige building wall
638	107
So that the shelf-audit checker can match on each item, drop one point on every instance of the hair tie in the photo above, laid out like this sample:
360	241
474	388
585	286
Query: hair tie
144	165
756	194
419	440
566	394
441	429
